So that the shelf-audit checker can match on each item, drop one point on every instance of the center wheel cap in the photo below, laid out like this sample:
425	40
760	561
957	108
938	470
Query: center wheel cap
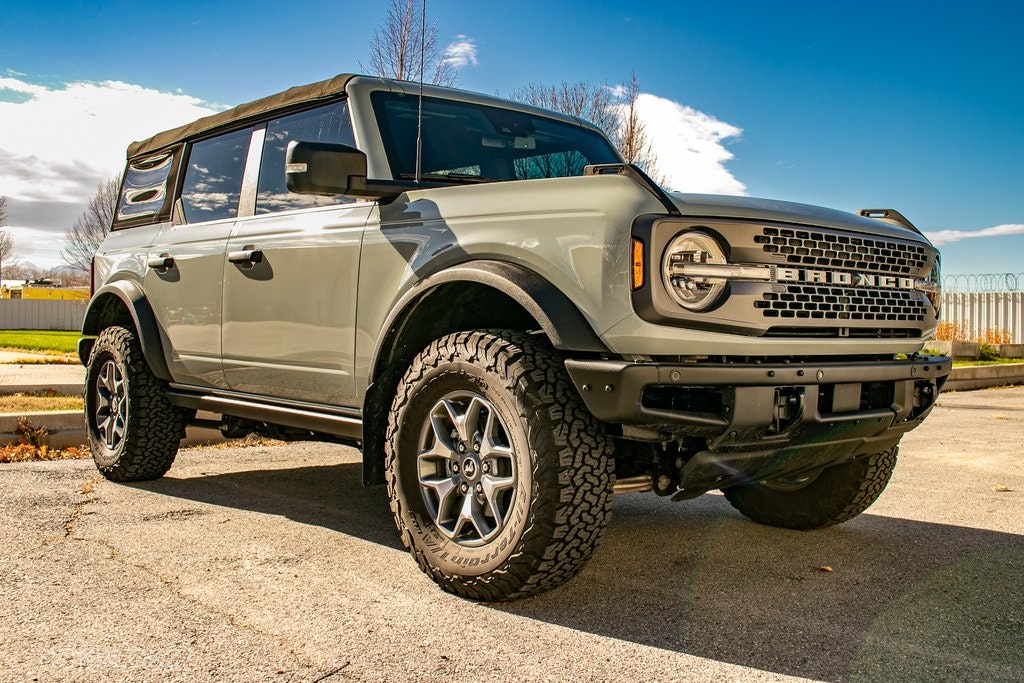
469	468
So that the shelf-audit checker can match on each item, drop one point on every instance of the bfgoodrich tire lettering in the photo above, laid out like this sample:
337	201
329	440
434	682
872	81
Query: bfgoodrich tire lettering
133	429
832	496
499	479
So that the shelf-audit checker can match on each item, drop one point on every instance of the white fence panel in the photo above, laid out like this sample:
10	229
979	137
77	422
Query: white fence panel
980	311
37	314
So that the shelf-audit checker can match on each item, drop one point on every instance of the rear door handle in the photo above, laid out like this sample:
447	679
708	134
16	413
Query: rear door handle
161	262
250	256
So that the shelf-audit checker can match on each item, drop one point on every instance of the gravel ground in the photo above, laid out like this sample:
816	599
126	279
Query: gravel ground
275	564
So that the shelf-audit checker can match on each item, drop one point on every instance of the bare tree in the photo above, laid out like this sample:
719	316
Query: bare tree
83	238
612	109
6	241
631	136
580	99
395	47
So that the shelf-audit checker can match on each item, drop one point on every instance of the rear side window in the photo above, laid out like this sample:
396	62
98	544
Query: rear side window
213	179
329	123
145	187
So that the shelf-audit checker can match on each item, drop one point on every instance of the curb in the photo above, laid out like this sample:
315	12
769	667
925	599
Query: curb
61	389
984	376
67	428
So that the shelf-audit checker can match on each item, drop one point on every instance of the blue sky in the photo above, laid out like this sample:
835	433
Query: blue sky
910	105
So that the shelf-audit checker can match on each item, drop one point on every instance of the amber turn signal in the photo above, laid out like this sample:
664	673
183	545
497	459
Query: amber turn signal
638	264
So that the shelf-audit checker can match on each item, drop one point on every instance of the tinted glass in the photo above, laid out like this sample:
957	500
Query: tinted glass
213	179
329	123
145	186
467	142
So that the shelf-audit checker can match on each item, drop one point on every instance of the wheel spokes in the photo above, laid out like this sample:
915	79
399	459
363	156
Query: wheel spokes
466	468
111	411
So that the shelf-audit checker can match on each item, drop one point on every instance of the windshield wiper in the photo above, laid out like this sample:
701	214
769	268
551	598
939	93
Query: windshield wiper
454	177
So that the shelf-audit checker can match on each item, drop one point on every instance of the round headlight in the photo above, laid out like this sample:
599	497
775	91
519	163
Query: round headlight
692	290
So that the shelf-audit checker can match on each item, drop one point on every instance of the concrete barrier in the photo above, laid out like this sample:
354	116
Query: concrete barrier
1011	350
956	349
984	376
67	428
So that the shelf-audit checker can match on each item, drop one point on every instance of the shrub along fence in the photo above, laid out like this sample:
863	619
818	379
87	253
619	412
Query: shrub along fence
977	315
40	314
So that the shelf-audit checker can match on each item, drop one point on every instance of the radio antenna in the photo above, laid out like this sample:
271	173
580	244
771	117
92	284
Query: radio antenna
419	114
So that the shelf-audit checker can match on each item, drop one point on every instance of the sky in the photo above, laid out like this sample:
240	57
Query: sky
911	105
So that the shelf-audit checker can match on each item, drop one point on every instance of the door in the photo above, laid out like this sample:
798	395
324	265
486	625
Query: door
185	264
290	277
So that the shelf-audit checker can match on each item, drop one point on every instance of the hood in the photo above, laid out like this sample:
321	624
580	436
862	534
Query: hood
752	208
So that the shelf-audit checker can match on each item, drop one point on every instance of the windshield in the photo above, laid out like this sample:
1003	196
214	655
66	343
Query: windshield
466	142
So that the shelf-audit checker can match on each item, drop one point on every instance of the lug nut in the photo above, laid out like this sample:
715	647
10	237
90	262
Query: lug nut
485	467
455	467
462	448
476	448
480	488
464	488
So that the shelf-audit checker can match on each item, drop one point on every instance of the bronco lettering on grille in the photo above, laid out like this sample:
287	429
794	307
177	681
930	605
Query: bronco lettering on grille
837	277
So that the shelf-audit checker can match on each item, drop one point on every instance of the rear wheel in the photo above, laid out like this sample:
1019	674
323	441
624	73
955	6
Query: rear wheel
818	499
500	480
133	428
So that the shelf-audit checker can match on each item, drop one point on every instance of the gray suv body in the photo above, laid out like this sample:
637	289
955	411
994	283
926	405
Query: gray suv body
511	323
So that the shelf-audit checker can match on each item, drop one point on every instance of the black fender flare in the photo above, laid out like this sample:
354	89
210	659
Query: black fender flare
135	302
557	315
559	318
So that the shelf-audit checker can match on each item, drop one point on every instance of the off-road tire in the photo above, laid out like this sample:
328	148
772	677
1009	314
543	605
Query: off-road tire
563	492
144	443
837	494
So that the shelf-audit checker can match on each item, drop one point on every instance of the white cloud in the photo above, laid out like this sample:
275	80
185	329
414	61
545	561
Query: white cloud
460	52
61	142
690	146
941	237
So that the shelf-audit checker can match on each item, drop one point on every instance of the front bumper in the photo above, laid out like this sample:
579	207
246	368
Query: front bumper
763	419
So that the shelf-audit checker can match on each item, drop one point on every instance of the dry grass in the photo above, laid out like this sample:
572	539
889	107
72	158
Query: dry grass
31	403
23	452
43	358
250	441
961	332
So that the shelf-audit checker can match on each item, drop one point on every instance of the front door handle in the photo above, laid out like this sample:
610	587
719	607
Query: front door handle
250	256
161	262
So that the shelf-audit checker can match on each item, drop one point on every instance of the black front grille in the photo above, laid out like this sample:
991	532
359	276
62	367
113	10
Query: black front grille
843	303
844	252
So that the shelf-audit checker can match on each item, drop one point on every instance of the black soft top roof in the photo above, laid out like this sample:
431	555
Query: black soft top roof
300	94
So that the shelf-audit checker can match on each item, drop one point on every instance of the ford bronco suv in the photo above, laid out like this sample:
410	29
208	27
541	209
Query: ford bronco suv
510	323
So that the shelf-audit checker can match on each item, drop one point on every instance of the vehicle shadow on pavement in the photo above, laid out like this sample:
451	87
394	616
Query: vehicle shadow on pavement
877	598
874	599
328	496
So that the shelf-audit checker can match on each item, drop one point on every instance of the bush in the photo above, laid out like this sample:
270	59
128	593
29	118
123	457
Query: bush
988	352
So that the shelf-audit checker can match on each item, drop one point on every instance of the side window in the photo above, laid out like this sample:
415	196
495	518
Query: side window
145	186
213	179
329	123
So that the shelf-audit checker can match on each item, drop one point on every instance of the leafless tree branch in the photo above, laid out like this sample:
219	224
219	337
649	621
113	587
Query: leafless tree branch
395	47
614	110
84	236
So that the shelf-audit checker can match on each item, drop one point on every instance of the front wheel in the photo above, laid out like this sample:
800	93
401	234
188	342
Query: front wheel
819	499
500	481
133	429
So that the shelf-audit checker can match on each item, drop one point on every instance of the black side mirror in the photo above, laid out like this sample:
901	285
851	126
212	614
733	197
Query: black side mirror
323	168
328	168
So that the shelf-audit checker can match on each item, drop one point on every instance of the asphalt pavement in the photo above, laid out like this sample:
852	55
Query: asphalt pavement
16	376
274	564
